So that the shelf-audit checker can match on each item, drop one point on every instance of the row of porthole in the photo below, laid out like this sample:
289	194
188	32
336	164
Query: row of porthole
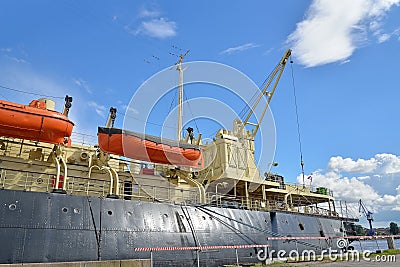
77	211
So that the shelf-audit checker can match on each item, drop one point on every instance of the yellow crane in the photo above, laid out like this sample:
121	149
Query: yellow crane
275	76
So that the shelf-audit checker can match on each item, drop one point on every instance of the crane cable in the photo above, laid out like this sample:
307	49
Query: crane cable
297	120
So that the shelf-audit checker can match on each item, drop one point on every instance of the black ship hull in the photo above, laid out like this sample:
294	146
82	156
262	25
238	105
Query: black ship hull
48	227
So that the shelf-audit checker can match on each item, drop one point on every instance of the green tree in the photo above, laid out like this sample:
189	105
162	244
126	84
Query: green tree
359	229
394	228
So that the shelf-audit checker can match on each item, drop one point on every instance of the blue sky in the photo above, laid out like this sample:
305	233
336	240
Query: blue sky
345	57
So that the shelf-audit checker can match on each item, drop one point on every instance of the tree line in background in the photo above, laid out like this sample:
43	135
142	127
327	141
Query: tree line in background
393	229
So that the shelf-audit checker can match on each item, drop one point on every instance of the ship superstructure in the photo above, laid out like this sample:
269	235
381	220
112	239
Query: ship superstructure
63	201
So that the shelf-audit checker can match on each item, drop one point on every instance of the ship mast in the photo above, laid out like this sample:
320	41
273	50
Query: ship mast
180	94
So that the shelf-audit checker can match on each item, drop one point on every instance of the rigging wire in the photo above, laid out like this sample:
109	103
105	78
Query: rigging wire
146	121
25	92
172	102
4	97
297	120
248	106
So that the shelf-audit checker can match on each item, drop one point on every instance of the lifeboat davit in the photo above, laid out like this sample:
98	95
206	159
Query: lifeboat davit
148	148
34	122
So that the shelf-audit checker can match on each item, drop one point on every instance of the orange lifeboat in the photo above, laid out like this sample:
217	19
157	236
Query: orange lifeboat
148	148
34	122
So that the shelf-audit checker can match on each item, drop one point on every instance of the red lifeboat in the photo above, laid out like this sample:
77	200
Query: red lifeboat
149	148
34	122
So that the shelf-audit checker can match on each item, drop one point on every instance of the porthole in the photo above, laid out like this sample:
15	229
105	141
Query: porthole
12	206
77	211
165	215
109	212
64	209
129	213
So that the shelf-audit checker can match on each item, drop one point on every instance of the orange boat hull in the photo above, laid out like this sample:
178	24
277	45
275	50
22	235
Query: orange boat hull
34	122
146	148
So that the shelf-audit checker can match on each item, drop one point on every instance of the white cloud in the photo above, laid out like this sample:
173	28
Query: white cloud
383	38
129	110
100	109
340	164
83	84
17	60
9	53
146	13
368	182
349	189
157	27
332	30
381	164
388	163
6	49
239	48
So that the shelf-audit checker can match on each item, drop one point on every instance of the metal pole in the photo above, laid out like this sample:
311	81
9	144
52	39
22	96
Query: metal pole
237	257
341	208
151	258
198	258
376	240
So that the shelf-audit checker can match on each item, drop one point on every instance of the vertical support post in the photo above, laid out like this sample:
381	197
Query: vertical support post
341	208
390	242
198	258
237	257
264	196
247	195
330	209
377	245
334	207
151	258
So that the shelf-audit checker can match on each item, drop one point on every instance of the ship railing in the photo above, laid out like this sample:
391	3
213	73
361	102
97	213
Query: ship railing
83	139
45	182
270	203
19	148
41	182
158	193
237	202
25	180
312	189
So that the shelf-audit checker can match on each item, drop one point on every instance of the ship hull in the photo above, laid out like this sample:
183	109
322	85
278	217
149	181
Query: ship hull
48	227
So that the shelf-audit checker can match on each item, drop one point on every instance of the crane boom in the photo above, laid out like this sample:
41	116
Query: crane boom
276	73
368	215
